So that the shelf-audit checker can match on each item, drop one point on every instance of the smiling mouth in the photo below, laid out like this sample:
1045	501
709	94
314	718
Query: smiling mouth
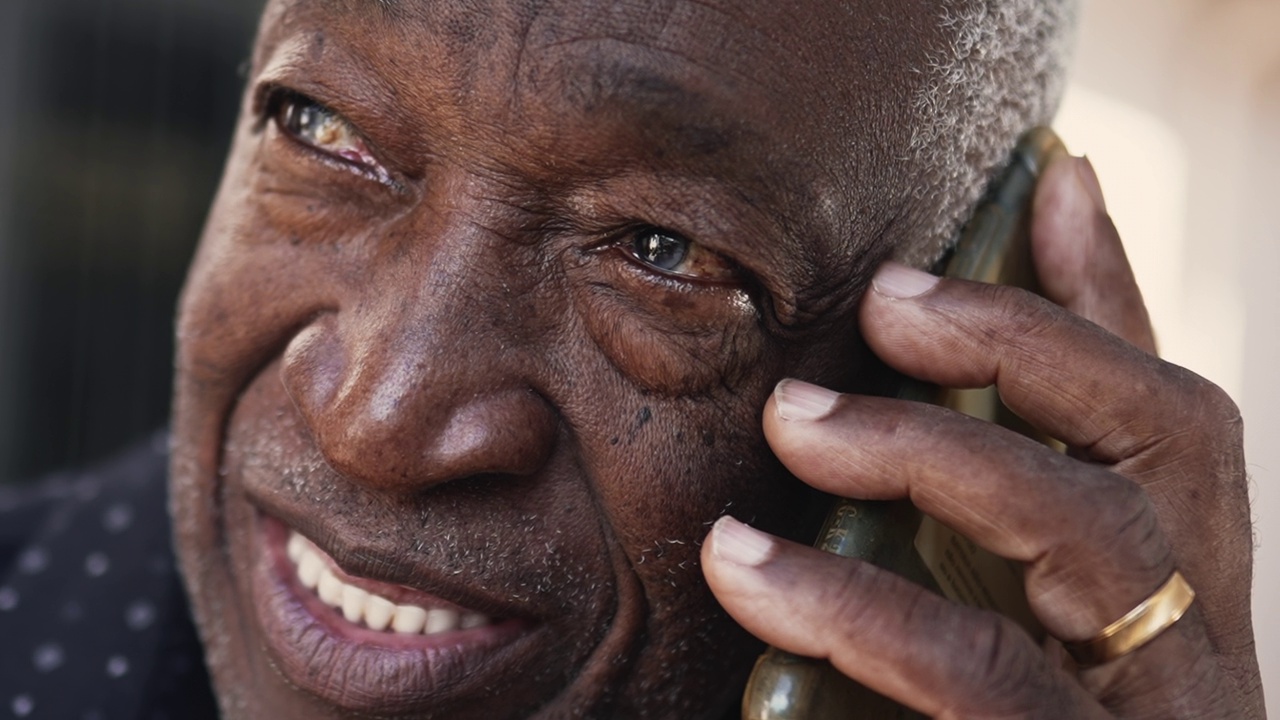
376	646
365	603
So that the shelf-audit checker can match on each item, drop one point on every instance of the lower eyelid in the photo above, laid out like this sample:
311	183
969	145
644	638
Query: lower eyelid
306	152
671	349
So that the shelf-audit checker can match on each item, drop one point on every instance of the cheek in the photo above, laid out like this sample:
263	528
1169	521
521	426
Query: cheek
665	468
663	483
237	312
268	262
673	437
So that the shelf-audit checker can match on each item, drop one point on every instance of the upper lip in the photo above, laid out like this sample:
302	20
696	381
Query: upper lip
356	555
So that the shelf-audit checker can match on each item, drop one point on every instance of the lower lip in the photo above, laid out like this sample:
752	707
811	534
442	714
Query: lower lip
364	670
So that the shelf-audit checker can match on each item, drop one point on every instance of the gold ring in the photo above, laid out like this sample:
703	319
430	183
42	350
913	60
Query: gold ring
1139	626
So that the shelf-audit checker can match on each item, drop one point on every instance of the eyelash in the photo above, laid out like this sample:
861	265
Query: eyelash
287	108
716	268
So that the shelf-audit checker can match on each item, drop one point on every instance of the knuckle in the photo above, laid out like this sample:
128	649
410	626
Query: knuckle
1020	313
1217	405
1129	520
900	604
1007	673
847	598
1121	536
1203	403
1201	439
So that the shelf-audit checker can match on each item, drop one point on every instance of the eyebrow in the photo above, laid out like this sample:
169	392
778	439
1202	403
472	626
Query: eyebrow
680	116
390	9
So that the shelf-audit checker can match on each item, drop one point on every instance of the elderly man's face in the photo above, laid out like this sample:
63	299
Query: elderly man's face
486	311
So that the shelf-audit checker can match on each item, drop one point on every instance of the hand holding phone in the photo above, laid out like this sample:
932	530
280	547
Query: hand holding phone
1154	483
993	248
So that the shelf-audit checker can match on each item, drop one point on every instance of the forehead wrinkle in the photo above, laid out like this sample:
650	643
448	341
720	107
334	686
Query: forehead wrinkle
676	118
661	59
389	9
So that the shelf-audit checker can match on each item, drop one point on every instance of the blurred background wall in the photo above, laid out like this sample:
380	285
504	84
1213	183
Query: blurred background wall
114	120
115	114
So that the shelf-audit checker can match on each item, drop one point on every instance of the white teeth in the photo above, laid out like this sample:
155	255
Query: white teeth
441	620
409	619
374	611
378	612
309	569
353	602
297	546
330	589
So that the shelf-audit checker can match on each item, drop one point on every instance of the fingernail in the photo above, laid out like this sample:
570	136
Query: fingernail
896	280
1089	179
799	400
740	544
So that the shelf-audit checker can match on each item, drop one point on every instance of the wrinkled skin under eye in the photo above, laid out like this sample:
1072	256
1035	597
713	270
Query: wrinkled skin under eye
316	126
669	253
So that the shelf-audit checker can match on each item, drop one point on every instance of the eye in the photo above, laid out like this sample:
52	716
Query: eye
671	254
321	128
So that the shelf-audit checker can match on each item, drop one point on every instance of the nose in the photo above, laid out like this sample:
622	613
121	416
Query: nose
415	383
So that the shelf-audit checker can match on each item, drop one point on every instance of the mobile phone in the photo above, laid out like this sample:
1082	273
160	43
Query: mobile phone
994	247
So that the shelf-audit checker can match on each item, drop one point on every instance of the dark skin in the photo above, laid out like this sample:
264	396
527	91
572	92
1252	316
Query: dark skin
487	309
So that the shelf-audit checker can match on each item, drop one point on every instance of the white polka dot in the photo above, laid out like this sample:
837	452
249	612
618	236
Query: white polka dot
33	560
140	615
48	657
97	564
23	705
117	666
117	518
8	598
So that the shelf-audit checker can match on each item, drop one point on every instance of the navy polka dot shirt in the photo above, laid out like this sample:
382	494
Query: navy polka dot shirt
94	623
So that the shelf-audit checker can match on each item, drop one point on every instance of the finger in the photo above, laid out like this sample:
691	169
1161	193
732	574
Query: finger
884	632
1058	371
1079	259
1166	428
1089	537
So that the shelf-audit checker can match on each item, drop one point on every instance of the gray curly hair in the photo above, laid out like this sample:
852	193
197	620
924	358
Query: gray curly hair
1003	73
